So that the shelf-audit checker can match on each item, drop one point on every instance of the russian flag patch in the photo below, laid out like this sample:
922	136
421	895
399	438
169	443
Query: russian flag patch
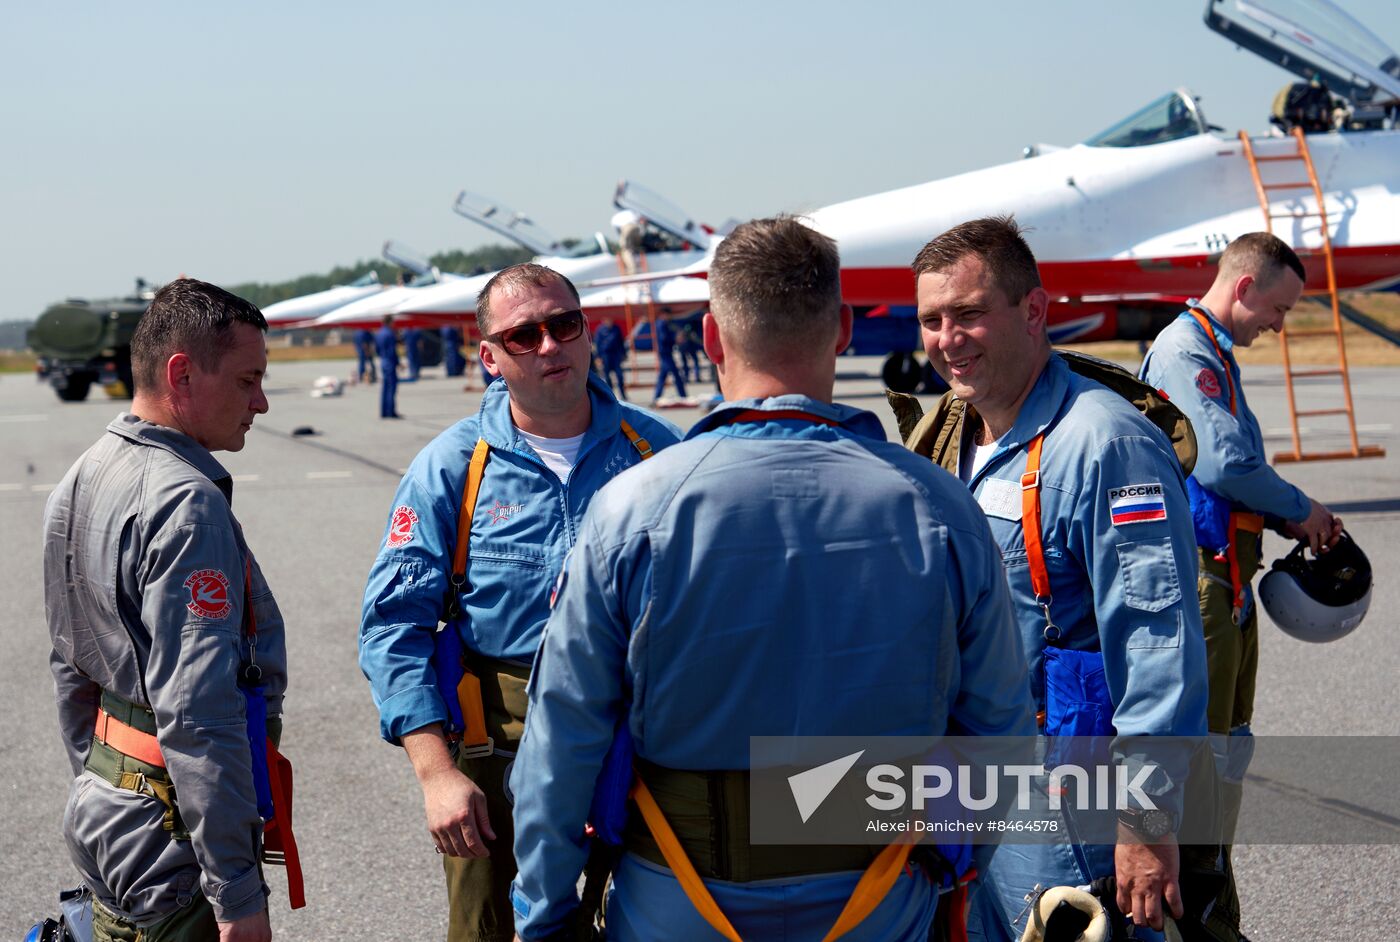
1136	503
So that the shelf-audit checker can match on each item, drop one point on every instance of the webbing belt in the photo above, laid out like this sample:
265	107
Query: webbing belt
1248	522
474	740
128	740
1030	533
874	884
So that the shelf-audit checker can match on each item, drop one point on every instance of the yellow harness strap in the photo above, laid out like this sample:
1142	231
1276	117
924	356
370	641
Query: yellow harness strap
474	737
873	887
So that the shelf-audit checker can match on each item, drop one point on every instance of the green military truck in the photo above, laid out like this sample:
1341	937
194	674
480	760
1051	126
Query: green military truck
78	343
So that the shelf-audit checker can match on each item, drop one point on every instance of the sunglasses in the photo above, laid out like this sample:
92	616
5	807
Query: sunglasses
526	338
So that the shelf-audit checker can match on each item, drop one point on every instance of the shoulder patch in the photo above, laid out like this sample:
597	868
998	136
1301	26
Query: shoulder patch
401	526
208	594
1137	503
1207	382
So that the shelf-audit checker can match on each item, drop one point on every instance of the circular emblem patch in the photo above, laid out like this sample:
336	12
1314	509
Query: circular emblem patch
1207	383
401	526
208	594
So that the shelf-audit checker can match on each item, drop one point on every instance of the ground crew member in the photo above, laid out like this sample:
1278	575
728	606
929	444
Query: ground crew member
386	343
454	364
838	584
612	351
689	347
412	353
665	345
551	435
146	586
1234	492
364	356
1113	541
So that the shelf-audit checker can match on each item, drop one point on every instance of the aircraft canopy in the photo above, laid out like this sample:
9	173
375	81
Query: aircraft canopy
1173	116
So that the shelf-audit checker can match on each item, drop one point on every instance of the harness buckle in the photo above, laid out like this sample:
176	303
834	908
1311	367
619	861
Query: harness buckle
480	751
1030	480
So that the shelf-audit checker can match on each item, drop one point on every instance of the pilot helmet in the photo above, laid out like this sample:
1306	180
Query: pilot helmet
1322	598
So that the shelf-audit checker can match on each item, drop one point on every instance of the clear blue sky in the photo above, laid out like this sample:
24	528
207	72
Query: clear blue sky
261	141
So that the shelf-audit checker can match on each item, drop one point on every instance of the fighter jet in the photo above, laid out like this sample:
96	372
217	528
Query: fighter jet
1128	224
298	312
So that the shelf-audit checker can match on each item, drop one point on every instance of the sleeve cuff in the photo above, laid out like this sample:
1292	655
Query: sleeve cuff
408	710
240	897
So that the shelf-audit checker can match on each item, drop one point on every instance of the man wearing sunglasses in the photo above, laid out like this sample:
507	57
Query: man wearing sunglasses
550	436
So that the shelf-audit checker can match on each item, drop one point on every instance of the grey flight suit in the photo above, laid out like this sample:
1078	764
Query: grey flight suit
144	586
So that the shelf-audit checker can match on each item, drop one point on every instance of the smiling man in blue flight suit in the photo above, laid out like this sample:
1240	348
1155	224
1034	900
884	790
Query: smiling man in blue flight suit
1234	492
1114	540
783	571
553	435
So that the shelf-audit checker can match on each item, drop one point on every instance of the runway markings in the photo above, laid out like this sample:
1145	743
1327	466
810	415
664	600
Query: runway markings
42	488
22	418
323	475
11	487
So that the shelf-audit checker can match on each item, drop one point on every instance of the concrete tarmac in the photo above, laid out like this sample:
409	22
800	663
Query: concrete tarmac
314	510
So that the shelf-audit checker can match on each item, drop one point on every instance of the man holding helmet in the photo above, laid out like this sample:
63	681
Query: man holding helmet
1233	490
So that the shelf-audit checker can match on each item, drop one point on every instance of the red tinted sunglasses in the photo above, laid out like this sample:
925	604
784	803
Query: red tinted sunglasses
526	338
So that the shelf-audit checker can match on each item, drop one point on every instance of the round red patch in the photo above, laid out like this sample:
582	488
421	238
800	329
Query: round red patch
208	594
401	526
1207	383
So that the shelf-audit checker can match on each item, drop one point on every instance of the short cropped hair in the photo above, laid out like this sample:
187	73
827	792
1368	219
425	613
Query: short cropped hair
775	289
1262	255
513	279
998	241
191	317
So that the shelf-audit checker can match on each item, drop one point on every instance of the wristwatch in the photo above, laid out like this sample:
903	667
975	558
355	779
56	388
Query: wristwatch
1153	825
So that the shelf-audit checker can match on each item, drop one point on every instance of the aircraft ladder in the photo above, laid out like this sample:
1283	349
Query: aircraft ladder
647	299
1302	155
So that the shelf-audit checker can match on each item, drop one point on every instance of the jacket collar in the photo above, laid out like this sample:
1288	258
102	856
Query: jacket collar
499	430
1222	336
857	421
175	442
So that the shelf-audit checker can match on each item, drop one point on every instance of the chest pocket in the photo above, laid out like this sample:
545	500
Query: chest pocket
519	556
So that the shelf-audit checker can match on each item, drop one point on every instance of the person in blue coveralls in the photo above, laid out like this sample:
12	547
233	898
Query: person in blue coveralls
666	360
364	356
1234	492
412	353
783	571
386	344
1111	553
612	351
551	435
453	363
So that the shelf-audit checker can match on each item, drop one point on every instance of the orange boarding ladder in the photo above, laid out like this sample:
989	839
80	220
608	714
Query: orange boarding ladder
646	298
1301	155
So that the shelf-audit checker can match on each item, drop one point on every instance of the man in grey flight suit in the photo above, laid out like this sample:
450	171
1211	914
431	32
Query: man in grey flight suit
153	598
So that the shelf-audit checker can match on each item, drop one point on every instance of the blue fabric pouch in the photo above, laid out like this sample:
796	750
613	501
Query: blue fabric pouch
1077	704
257	745
608	811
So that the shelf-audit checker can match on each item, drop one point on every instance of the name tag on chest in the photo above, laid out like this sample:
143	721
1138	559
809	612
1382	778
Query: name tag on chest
1001	499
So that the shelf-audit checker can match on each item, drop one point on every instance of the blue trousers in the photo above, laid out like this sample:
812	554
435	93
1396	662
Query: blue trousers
387	390
612	375
666	366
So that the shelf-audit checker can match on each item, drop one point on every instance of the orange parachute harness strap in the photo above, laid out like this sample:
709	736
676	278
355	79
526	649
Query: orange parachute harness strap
1239	521
1035	549
128	740
473	740
279	843
872	888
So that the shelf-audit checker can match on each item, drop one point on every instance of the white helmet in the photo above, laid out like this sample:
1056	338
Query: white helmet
1319	599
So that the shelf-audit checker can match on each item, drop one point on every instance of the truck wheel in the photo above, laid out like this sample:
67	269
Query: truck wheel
901	372
76	390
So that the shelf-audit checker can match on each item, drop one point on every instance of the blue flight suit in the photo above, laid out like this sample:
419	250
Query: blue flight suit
612	350
1116	588
364	342
412	353
666	359
526	522
454	364
777	577
689	347
387	345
